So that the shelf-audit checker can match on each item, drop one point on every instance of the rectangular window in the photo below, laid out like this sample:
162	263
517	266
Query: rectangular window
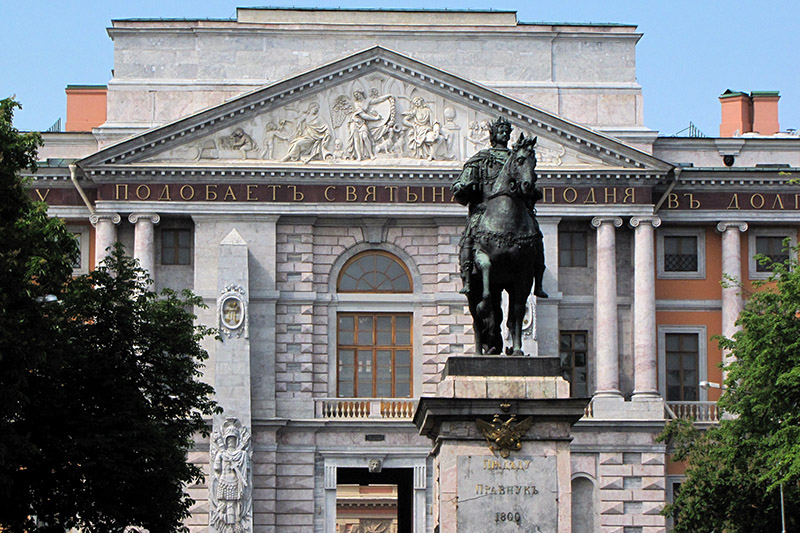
572	249
682	361
772	247
573	354
680	253
176	246
83	236
768	242
374	355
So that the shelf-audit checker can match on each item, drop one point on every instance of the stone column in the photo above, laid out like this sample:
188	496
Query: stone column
105	234
732	303
144	240
606	320
645	373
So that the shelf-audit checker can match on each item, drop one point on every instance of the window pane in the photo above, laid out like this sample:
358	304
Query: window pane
580	342
402	358
176	246
689	342
374	272
673	342
347	282
566	342
402	330
77	263
346	330
384	331
364	374
384	361
346	373
365	331
580	359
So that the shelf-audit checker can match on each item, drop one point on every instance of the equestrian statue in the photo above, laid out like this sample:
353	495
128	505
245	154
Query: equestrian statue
501	248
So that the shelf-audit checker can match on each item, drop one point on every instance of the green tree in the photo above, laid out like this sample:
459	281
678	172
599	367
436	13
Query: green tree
107	392
735	471
36	256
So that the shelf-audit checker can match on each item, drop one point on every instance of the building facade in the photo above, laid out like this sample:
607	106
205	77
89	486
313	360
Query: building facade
292	167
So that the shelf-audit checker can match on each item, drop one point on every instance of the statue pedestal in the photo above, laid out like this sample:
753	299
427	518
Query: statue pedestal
520	483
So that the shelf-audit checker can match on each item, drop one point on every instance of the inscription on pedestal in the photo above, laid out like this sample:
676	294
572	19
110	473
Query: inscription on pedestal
518	494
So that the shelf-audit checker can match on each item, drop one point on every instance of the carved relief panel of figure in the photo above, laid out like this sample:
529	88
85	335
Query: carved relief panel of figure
363	119
271	134
311	137
419	120
230	489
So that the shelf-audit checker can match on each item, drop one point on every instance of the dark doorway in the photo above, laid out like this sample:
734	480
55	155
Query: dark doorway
388	478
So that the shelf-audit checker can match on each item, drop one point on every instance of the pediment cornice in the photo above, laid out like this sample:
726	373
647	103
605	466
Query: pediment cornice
135	155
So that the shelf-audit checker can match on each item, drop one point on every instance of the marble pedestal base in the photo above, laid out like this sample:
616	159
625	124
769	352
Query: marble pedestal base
476	488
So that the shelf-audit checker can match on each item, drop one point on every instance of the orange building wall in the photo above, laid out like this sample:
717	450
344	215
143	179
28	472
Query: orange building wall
697	289
86	107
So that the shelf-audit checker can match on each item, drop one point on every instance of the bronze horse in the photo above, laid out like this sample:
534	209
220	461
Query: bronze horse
507	243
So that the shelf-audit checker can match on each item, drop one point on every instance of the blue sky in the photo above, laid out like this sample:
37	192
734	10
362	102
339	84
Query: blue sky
690	53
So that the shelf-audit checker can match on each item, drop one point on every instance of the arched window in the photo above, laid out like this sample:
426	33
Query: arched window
374	271
374	349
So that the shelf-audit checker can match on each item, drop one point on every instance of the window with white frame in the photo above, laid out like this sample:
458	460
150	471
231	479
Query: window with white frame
673	487
83	235
770	242
682	363
681	253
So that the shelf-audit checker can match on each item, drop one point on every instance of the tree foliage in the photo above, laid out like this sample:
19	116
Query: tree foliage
735	471
107	390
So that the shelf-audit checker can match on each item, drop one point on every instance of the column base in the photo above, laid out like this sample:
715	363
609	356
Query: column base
608	394
646	396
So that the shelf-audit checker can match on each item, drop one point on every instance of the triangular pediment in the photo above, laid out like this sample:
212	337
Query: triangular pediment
374	109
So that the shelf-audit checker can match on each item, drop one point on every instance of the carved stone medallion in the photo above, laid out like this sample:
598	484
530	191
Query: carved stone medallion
232	311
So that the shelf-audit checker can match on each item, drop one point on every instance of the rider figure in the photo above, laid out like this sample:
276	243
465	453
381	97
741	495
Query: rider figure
472	189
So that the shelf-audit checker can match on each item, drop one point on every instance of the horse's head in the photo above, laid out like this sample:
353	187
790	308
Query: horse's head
518	175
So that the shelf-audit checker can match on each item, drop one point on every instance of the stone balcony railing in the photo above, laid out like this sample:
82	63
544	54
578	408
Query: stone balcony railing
365	408
701	412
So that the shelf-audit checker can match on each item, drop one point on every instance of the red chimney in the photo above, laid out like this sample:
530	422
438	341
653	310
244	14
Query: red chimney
737	117
753	113
765	112
86	107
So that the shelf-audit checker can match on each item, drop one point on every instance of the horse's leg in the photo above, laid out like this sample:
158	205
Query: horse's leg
516	325
477	324
497	333
518	301
485	308
538	269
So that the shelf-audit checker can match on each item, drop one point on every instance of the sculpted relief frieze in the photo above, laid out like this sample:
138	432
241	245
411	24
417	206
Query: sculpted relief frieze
373	120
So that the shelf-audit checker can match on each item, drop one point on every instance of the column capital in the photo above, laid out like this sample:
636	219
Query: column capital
724	225
596	221
111	217
133	218
654	220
